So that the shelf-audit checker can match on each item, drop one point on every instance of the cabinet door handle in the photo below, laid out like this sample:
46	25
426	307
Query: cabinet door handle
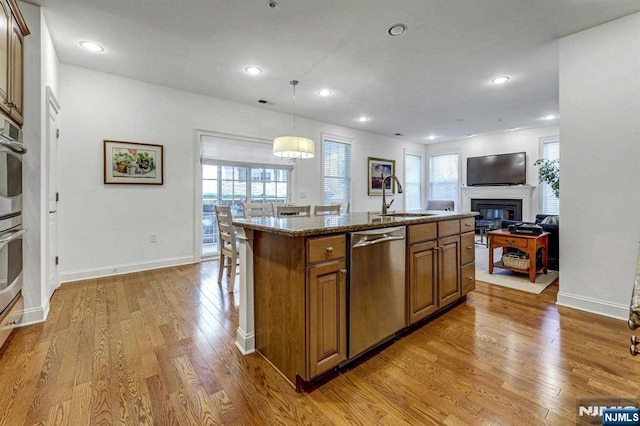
468	225
469	247
470	278
329	249
14	322
343	271
12	104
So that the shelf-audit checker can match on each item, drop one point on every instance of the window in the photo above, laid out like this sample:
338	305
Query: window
336	169
412	181
444	181
550	151
258	177
226	184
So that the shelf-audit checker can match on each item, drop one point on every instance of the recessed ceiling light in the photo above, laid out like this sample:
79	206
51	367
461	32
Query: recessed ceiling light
500	80
551	117
397	30
362	119
470	135
253	70
511	129
91	46
431	137
324	92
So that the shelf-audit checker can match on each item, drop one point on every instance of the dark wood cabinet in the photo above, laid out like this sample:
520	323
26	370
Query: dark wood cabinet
436	253
13	30
327	316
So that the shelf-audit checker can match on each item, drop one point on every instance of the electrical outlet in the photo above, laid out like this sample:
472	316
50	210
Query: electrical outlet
153	238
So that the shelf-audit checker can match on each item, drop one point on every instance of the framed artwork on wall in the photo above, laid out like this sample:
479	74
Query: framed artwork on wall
378	170
133	163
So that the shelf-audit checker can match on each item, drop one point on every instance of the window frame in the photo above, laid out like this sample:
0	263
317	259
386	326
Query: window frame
421	179
544	188
327	137
428	165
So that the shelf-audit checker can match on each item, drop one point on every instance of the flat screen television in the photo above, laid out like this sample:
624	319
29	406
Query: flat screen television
500	169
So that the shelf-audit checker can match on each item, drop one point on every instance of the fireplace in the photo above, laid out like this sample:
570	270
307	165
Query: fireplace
494	210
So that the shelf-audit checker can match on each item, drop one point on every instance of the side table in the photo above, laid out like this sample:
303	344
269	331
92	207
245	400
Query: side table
525	242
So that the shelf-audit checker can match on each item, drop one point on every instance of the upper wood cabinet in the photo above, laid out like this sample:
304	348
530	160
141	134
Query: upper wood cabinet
13	29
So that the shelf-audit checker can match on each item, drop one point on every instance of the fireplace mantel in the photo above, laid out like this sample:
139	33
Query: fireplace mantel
521	192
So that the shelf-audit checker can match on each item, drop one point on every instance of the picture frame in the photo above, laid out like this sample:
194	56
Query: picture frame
133	163
379	168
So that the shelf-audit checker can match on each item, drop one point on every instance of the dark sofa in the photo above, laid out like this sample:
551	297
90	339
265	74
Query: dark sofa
553	229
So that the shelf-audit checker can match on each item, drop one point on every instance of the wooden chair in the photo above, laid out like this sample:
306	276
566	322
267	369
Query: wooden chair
293	211
344	207
440	205
256	210
326	210
228	245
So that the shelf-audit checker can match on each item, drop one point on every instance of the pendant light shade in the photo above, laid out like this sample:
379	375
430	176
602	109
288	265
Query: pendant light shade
294	146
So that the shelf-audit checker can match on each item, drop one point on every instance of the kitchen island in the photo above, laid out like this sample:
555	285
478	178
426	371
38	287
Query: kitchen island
293	282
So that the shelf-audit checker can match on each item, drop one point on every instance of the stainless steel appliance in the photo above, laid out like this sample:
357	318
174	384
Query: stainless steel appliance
11	233
377	296
10	170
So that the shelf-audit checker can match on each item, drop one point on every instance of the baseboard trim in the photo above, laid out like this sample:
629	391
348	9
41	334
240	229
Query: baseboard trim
34	315
595	306
246	343
87	274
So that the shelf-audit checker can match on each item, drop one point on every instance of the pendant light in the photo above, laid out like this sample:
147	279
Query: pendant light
293	146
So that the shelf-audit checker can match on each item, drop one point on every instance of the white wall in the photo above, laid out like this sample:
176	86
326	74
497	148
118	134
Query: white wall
517	141
104	229
600	151
40	70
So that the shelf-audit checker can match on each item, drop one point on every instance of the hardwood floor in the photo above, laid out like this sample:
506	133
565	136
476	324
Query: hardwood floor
158	348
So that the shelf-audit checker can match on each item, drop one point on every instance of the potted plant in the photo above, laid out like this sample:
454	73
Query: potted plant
122	159
549	173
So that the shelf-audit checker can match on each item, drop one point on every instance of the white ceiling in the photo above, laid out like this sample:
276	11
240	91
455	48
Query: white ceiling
435	79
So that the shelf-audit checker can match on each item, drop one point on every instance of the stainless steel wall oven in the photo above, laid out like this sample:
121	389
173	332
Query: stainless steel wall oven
11	231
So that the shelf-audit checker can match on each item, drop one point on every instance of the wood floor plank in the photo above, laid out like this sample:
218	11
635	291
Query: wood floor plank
158	347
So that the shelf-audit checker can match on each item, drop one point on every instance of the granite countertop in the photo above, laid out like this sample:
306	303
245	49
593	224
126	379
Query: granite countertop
319	225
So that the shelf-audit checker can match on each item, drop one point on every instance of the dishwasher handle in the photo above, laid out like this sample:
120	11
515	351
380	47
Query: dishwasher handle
383	239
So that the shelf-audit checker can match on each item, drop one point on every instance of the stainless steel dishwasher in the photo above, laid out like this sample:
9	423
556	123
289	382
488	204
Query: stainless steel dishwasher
376	287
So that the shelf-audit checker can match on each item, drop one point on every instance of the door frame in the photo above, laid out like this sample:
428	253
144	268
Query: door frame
52	107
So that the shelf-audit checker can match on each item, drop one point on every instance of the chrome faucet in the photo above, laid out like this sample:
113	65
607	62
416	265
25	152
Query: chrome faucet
384	198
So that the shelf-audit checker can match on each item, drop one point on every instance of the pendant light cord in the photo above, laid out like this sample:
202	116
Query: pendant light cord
294	83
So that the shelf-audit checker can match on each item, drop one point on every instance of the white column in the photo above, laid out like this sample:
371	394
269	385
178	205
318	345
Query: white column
245	335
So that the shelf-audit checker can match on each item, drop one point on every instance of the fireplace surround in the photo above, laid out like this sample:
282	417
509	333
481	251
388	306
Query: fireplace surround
523	193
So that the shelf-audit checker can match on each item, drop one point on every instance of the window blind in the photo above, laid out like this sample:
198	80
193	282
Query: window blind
413	181
239	151
444	180
336	171
550	203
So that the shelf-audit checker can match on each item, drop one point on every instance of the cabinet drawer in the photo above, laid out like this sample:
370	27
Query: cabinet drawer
467	248
323	249
422	232
468	276
448	227
11	318
467	224
501	240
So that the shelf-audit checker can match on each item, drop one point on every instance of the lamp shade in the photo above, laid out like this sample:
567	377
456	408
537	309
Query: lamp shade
293	147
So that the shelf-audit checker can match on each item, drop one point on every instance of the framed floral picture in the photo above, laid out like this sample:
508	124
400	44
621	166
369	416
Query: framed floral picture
133	162
378	170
